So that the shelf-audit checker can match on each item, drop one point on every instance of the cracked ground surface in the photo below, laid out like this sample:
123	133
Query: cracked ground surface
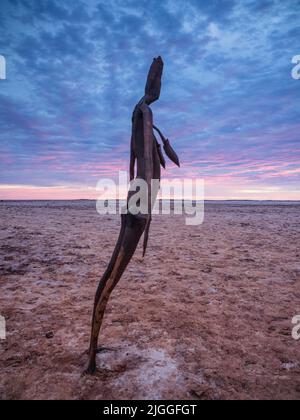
206	315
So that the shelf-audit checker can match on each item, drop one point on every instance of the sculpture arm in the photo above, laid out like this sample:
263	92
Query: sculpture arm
170	152
148	157
132	160
148	149
160	134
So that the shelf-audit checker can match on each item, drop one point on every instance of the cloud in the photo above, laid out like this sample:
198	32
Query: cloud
75	71
214	30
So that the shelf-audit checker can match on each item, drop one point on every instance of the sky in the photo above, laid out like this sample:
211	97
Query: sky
76	69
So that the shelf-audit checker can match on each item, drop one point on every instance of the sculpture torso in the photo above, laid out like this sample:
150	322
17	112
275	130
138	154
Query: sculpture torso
138	146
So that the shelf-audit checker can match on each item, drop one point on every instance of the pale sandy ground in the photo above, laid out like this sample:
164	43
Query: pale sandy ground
207	314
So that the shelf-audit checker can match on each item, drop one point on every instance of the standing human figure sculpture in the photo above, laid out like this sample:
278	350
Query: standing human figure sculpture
146	153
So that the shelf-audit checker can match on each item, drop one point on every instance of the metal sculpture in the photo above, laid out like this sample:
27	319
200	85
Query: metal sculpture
146	153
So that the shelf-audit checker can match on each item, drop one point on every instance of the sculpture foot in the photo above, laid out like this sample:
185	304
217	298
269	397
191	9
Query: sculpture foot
91	369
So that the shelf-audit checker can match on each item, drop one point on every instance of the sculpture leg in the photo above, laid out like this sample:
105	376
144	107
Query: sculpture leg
131	231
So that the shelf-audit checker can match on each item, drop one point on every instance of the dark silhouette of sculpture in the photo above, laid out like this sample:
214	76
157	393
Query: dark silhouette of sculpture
146	153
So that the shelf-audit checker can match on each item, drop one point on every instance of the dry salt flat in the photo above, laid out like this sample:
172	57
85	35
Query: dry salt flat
206	315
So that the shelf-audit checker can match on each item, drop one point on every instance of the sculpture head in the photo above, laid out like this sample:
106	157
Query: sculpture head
153	84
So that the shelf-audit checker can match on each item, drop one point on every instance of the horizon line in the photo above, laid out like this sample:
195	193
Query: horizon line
163	199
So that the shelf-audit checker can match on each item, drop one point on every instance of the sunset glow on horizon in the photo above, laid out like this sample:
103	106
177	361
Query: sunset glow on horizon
212	192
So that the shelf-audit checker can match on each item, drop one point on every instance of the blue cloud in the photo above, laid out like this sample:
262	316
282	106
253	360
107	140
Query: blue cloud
76	70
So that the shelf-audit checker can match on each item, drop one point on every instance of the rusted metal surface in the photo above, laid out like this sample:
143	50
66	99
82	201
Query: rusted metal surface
146	159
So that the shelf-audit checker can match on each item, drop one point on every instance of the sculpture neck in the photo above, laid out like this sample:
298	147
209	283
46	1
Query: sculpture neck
146	99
